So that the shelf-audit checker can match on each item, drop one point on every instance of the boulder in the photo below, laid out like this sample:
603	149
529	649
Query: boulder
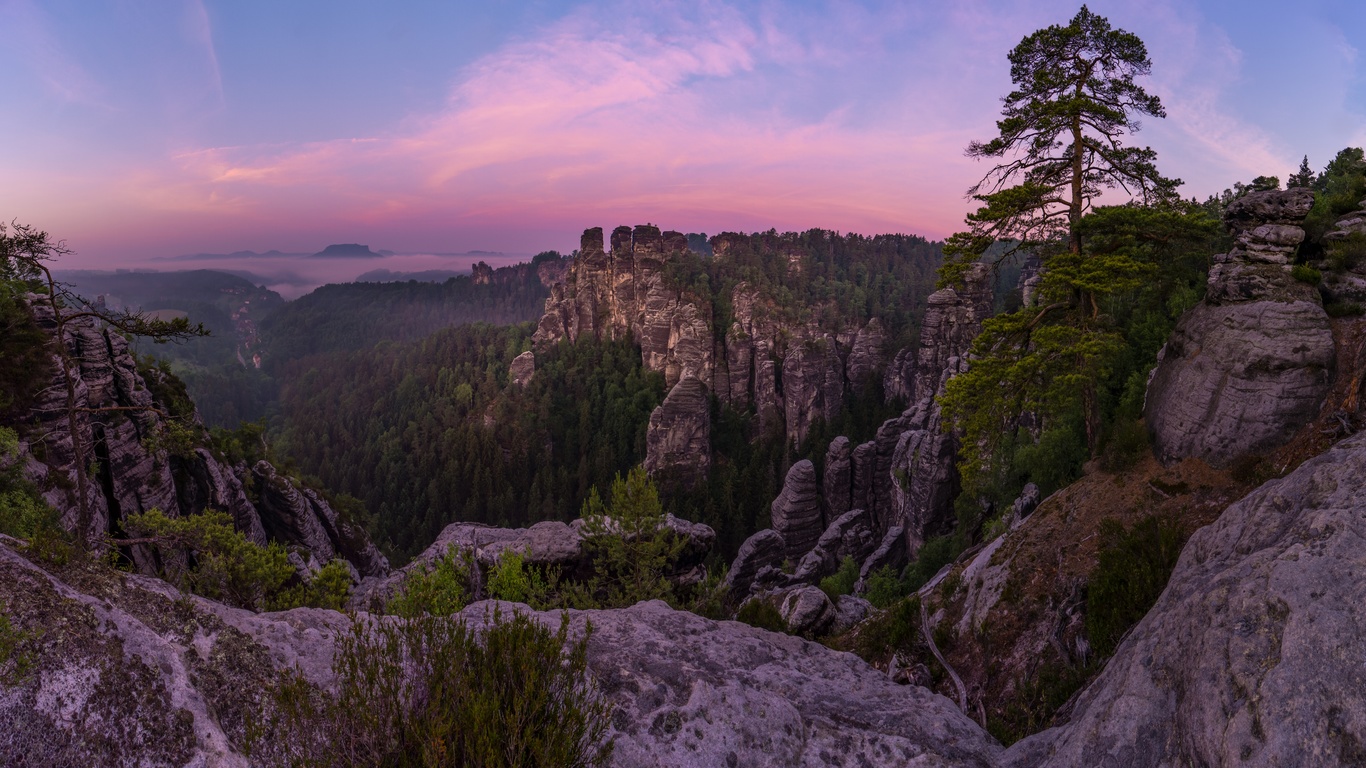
796	513
806	610
1251	364
764	549
1252	656
678	437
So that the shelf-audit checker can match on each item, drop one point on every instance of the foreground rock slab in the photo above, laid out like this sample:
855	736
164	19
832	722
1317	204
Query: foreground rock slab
1254	653
690	691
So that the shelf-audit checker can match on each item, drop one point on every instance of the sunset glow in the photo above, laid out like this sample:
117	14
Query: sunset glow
144	134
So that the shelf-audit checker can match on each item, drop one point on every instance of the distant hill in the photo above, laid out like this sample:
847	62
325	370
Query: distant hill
356	315
425	276
347	251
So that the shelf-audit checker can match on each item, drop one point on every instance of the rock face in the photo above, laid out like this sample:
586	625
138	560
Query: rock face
692	692
138	674
792	372
850	535
678	437
905	479
796	513
135	474
1252	363
612	294
522	368
1252	654
765	549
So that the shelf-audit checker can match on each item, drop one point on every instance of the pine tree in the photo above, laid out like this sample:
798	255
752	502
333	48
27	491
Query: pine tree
1064	127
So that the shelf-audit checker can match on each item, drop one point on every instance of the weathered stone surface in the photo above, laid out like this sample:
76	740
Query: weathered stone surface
813	385
796	513
890	552
866	356
765	549
303	517
806	610
1029	499
837	486
1239	379
134	475
678	437
522	368
1281	206
547	543
1252	655
849	611
135	673
851	535
898	381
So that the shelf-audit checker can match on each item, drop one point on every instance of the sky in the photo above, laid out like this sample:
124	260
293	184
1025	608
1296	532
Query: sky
138	131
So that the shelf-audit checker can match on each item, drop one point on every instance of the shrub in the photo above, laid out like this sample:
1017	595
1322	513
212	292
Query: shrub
433	692
1342	309
438	588
1126	446
895	629
229	567
1038	696
510	579
1130	574
884	587
759	613
841	582
632	547
934	554
16	657
1306	274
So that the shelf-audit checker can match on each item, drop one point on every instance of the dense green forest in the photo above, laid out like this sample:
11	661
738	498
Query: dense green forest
347	316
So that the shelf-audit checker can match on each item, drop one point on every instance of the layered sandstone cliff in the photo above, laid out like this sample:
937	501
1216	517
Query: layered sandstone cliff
137	466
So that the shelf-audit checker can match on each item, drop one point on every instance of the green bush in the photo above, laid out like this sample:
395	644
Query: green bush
23	512
434	692
1306	274
841	582
934	555
229	567
884	587
1132	570
759	613
510	579
438	588
632	549
1126	445
16	657
1038	697
1343	309
895	629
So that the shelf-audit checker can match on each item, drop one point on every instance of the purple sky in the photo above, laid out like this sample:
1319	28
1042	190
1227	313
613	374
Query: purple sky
139	131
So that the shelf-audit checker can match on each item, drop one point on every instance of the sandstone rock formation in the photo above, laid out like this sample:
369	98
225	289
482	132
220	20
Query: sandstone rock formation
837	484
792	371
765	549
522	368
1252	654
796	513
850	535
612	294
678	437
123	431
1252	363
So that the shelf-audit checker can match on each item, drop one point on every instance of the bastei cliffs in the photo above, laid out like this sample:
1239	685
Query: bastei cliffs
901	483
